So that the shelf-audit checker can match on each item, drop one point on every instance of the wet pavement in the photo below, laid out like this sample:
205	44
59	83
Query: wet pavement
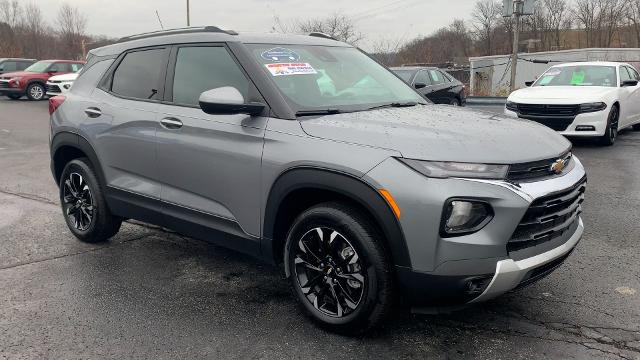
150	293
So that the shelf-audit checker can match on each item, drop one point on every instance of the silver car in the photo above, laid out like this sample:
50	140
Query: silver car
303	151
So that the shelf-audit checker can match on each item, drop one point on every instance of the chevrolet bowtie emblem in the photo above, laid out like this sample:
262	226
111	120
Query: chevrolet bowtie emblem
558	165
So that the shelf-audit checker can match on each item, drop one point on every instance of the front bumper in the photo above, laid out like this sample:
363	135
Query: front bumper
53	89
471	268
597	120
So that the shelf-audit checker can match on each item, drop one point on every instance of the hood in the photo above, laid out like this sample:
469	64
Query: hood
443	133
560	94
11	75
64	77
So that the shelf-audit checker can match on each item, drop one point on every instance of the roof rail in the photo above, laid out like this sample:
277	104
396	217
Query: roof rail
322	35
187	30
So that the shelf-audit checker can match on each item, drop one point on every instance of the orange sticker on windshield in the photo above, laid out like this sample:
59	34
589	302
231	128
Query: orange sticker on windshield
284	69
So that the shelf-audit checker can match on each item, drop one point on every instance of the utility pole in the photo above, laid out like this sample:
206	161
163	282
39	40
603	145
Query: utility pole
518	6
188	18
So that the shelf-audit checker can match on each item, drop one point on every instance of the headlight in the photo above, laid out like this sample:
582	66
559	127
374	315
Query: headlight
512	106
446	169
462	216
592	107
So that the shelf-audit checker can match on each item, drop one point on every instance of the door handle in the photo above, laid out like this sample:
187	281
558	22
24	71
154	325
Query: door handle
171	123
93	112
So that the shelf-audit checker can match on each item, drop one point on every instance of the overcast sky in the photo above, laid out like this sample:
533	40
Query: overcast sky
376	19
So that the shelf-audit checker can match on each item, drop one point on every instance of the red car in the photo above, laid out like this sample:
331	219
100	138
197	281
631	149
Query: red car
31	81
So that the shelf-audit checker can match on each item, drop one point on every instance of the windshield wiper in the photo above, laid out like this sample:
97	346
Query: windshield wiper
317	112
394	105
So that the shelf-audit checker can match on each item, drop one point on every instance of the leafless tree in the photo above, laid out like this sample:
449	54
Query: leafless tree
34	31
485	16
11	13
338	26
71	25
634	19
600	19
557	19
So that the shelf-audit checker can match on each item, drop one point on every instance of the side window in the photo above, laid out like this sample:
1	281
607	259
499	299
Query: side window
23	65
624	74
8	66
634	73
204	68
56	67
138	75
75	67
423	77
447	78
437	77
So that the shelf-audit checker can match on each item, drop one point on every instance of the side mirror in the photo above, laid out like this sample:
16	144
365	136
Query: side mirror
528	83
419	85
629	83
227	100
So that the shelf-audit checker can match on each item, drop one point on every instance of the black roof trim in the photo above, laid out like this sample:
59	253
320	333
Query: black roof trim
187	30
322	35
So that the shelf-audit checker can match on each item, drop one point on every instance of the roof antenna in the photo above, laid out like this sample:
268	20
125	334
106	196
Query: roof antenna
160	21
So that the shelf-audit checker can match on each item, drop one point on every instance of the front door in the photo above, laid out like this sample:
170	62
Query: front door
209	165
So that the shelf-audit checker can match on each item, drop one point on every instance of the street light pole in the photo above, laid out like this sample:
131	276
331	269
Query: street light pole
517	11
188	18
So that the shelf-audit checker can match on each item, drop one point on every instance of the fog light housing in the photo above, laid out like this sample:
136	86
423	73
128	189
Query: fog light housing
463	216
585	128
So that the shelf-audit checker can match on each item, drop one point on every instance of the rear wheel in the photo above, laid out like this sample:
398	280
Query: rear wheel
14	96
83	205
35	91
455	102
611	133
338	268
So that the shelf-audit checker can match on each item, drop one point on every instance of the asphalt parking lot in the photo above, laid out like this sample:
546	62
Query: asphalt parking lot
149	293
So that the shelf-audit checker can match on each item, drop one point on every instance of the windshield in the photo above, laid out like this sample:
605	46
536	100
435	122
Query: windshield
38	67
579	76
404	74
323	77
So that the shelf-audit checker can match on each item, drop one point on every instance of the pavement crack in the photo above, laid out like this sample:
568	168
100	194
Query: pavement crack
567	303
28	196
56	257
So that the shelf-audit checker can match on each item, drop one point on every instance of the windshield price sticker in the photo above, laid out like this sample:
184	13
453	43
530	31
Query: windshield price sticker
285	69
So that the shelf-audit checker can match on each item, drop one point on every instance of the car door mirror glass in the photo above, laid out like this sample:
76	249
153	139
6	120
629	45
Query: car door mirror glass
627	83
419	85
227	100
528	83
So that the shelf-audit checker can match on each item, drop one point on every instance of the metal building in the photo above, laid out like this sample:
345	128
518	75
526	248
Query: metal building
490	74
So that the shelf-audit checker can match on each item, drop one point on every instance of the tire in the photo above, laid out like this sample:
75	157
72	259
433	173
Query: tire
83	205
611	133
14	96
351	267
35	91
455	102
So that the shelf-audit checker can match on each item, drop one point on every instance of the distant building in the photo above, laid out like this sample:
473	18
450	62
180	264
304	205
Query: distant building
490	75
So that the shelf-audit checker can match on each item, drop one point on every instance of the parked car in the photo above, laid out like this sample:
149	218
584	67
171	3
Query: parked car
436	84
31	82
585	99
14	64
363	196
60	84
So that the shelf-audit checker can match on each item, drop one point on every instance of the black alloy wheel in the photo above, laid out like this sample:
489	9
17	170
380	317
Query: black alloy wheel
611	132
78	202
329	272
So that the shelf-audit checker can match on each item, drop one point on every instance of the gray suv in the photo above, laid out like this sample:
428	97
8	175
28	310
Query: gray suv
303	151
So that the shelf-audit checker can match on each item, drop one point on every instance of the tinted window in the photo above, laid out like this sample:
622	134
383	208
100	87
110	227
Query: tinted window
75	67
138	74
204	68
57	67
633	73
423	77
437	77
23	65
404	74
624	74
8	66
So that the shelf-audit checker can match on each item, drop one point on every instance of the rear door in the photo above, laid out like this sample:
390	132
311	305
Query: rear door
422	77
634	97
209	165
442	87
123	114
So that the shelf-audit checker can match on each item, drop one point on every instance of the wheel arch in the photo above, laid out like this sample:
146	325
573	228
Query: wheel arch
67	146
298	189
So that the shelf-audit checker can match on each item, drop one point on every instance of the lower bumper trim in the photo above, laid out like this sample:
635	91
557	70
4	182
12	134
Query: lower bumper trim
510	274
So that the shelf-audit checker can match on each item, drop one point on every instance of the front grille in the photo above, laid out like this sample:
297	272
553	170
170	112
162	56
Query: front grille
557	117
4	84
53	89
536	169
549	222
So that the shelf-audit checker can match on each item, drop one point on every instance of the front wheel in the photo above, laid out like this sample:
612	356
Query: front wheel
455	102
35	92
83	205
611	132
338	268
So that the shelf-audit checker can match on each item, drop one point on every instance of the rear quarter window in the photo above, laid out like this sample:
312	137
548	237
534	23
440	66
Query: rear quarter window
138	74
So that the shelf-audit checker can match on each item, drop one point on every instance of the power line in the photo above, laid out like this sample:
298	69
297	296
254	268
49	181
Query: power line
382	9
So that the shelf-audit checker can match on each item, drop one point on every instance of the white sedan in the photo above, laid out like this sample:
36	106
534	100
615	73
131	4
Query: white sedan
60	84
587	99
